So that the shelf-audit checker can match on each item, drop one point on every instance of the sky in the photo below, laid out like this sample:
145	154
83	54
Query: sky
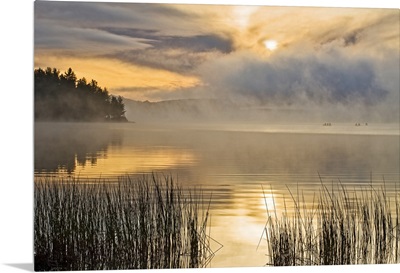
330	59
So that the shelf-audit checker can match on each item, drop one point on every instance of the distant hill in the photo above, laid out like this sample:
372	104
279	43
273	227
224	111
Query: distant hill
212	110
200	110
176	110
226	111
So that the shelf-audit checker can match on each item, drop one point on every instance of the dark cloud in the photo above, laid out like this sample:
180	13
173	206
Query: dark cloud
325	78
198	43
347	82
180	54
52	36
180	61
351	39
345	38
351	32
96	15
76	26
148	34
80	13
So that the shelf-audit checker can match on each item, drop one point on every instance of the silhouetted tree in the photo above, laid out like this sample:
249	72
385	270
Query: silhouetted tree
64	97
68	79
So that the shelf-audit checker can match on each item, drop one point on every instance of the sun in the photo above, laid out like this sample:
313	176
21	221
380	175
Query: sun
271	44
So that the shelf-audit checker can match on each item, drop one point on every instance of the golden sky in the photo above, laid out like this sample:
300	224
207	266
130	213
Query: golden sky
266	53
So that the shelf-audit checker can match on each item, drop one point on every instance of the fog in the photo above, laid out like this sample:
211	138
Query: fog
317	85
200	151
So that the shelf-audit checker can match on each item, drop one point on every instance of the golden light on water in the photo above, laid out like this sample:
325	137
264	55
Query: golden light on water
137	161
268	202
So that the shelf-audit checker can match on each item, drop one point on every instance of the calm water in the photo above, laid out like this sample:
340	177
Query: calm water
243	166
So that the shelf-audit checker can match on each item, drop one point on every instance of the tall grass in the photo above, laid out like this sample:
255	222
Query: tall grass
146	223
339	227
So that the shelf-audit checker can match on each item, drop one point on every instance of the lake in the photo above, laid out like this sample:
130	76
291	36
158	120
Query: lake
241	167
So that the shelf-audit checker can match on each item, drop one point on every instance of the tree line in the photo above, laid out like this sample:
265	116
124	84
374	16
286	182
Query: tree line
63	97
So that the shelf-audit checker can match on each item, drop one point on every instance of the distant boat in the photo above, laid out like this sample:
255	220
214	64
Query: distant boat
359	124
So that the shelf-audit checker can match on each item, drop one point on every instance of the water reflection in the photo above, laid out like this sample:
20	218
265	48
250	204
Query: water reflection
62	147
242	171
94	150
138	160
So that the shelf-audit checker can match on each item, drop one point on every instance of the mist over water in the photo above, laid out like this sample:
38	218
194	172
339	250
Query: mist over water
238	112
237	166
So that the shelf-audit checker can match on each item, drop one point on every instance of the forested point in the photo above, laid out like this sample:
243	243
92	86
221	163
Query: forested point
63	97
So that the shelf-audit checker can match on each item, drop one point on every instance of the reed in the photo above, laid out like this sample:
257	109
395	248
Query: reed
146	223
340	227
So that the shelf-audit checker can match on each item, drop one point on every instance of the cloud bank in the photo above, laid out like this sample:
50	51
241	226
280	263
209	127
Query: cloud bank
319	78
